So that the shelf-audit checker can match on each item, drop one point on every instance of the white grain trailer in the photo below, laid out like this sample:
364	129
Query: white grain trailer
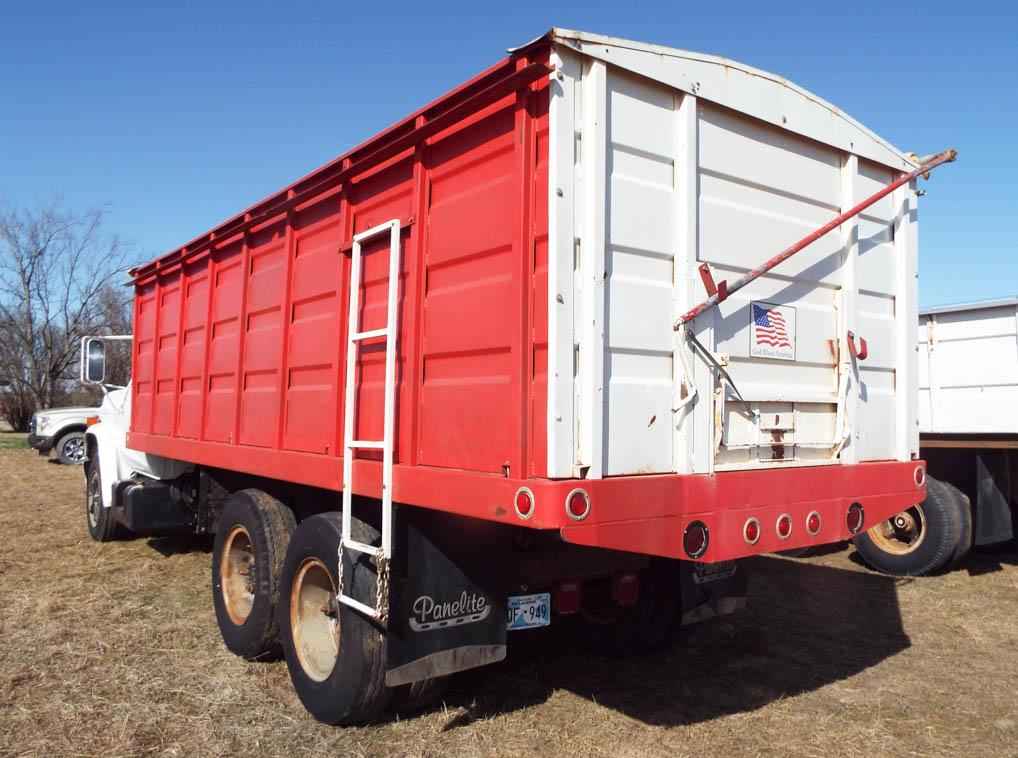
968	426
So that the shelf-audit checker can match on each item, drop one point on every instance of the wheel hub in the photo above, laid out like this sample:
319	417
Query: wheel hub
314	619
902	533
237	575
74	450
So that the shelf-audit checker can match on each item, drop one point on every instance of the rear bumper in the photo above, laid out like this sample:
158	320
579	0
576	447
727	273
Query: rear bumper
651	514
41	443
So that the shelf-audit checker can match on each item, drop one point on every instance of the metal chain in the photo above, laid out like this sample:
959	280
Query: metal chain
382	587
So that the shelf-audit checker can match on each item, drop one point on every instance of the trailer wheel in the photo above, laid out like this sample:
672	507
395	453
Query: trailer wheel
102	527
920	540
336	657
964	506
71	448
608	628
251	540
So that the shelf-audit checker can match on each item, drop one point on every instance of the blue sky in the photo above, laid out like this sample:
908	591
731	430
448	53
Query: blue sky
177	115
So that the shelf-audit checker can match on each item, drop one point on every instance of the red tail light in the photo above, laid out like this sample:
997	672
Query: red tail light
696	539
784	526
567	598
856	518
524	503
578	505
813	523
751	531
627	588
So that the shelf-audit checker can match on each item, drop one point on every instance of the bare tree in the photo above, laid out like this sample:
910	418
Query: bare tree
59	273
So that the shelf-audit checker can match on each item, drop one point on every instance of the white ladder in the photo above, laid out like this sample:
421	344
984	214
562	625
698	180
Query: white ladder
383	553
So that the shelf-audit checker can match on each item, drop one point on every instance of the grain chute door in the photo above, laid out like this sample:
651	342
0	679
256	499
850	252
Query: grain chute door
760	190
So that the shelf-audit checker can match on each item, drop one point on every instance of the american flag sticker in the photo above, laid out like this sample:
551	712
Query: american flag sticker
772	331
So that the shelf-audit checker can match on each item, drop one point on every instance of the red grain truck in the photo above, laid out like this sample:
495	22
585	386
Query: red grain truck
456	383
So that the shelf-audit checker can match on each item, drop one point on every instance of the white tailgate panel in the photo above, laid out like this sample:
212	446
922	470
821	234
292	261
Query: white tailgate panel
639	268
760	191
646	183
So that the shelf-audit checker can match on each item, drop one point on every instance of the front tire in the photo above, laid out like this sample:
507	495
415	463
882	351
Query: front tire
920	540
251	540
336	657
71	449
100	522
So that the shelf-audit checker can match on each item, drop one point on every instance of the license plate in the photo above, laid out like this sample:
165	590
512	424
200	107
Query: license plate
712	572
529	611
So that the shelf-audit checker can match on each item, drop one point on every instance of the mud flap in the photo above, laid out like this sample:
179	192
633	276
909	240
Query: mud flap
711	589
448	588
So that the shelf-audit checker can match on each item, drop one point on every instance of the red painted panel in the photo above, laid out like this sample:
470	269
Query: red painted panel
244	348
192	351
262	340
220	406
467	420
313	352
167	344
144	357
539	295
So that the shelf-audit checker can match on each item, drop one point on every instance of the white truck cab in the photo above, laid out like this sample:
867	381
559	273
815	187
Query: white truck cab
108	459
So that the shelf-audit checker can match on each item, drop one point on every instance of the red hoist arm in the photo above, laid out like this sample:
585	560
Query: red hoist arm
722	290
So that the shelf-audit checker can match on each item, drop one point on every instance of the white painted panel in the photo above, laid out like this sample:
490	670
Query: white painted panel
875	424
971	377
641	203
660	181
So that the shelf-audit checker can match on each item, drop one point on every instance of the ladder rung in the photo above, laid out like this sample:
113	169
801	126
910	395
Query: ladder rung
363	547
357	336
366	444
367	610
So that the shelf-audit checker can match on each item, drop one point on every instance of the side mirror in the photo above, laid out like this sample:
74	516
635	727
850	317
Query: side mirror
93	360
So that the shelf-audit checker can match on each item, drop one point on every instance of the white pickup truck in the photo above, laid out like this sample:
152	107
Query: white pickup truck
63	429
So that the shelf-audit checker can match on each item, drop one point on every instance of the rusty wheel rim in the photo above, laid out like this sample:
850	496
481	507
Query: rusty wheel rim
237	574
93	502
901	534
314	619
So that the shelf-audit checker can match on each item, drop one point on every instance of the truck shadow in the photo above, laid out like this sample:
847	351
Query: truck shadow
807	626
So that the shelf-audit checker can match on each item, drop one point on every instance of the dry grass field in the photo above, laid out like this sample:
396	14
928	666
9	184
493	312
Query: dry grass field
113	650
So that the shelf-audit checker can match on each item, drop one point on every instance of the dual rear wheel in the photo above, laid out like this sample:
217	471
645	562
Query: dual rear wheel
930	536
275	589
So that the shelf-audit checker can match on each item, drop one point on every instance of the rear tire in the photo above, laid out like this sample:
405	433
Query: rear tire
413	697
71	449
964	506
102	527
336	657
608	628
921	540
251	540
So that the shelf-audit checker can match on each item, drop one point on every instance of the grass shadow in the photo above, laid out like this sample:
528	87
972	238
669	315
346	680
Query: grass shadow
807	626
181	544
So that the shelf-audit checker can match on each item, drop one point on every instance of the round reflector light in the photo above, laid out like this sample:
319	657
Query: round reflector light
784	526
920	476
751	531
696	539
856	518
813	523
524	503
578	505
